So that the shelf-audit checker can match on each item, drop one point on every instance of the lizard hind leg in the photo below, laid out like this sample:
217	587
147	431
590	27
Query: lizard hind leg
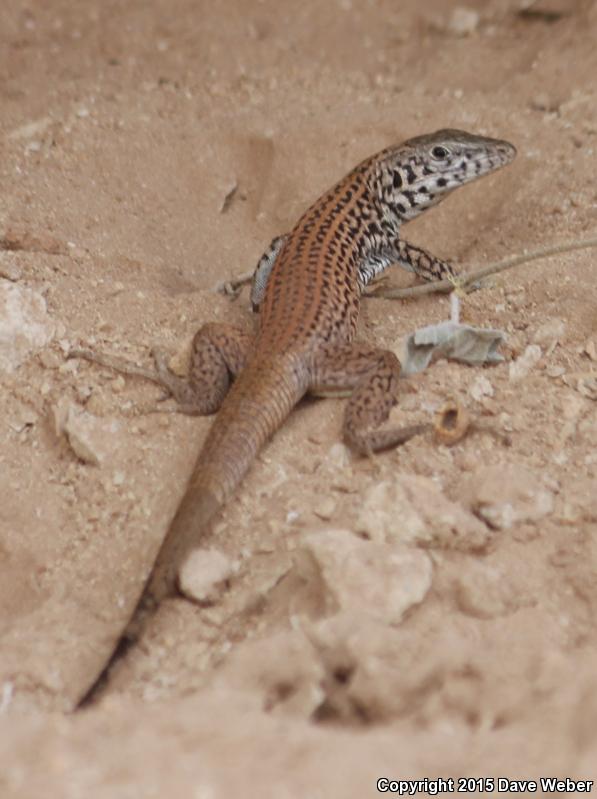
218	354
371	377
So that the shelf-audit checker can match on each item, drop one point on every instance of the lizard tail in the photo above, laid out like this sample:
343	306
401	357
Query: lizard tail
194	513
254	409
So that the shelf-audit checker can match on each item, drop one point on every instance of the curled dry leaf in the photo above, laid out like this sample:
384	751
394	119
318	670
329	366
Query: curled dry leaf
451	423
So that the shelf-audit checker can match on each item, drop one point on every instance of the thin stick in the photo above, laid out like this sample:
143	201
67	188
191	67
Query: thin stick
466	278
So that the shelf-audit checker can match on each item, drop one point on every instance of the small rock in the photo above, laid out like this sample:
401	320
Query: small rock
357	576
555	371
9	269
92	439
591	349
96	402
50	359
24	325
26	418
521	367
118	478
203	573
325	508
178	362
31	129
542	102
487	592
480	388
339	455
506	495
412	509
463	21
550	333
118	384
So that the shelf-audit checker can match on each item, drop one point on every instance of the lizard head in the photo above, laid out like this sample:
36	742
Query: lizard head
420	172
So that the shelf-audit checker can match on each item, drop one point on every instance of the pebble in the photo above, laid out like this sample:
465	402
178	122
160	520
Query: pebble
339	455
550	333
480	388
50	359
203	573
26	418
505	495
463	21
520	368
91	438
356	576
486	592
118	478
413	509
555	371
9	269
542	102
30	129
591	349
25	326
325	508
118	384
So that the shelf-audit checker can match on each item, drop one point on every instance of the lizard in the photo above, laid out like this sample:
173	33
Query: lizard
307	288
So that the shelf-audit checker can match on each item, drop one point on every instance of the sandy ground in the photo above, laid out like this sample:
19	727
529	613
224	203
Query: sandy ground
427	613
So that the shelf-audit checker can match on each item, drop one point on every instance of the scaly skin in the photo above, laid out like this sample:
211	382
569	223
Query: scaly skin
308	287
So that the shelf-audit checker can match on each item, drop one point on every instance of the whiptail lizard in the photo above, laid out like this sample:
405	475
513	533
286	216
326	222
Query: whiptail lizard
307	287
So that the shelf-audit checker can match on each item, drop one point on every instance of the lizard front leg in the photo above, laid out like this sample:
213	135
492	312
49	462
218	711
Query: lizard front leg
370	376
401	253
218	354
421	262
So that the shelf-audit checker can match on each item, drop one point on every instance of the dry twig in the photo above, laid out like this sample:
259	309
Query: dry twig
466	279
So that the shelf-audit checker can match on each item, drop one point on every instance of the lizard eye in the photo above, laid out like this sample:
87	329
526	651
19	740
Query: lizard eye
439	152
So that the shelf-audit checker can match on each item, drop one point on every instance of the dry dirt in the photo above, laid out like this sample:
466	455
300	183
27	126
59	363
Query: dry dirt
427	613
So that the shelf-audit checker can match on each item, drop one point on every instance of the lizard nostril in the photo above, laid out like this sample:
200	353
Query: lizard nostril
507	150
